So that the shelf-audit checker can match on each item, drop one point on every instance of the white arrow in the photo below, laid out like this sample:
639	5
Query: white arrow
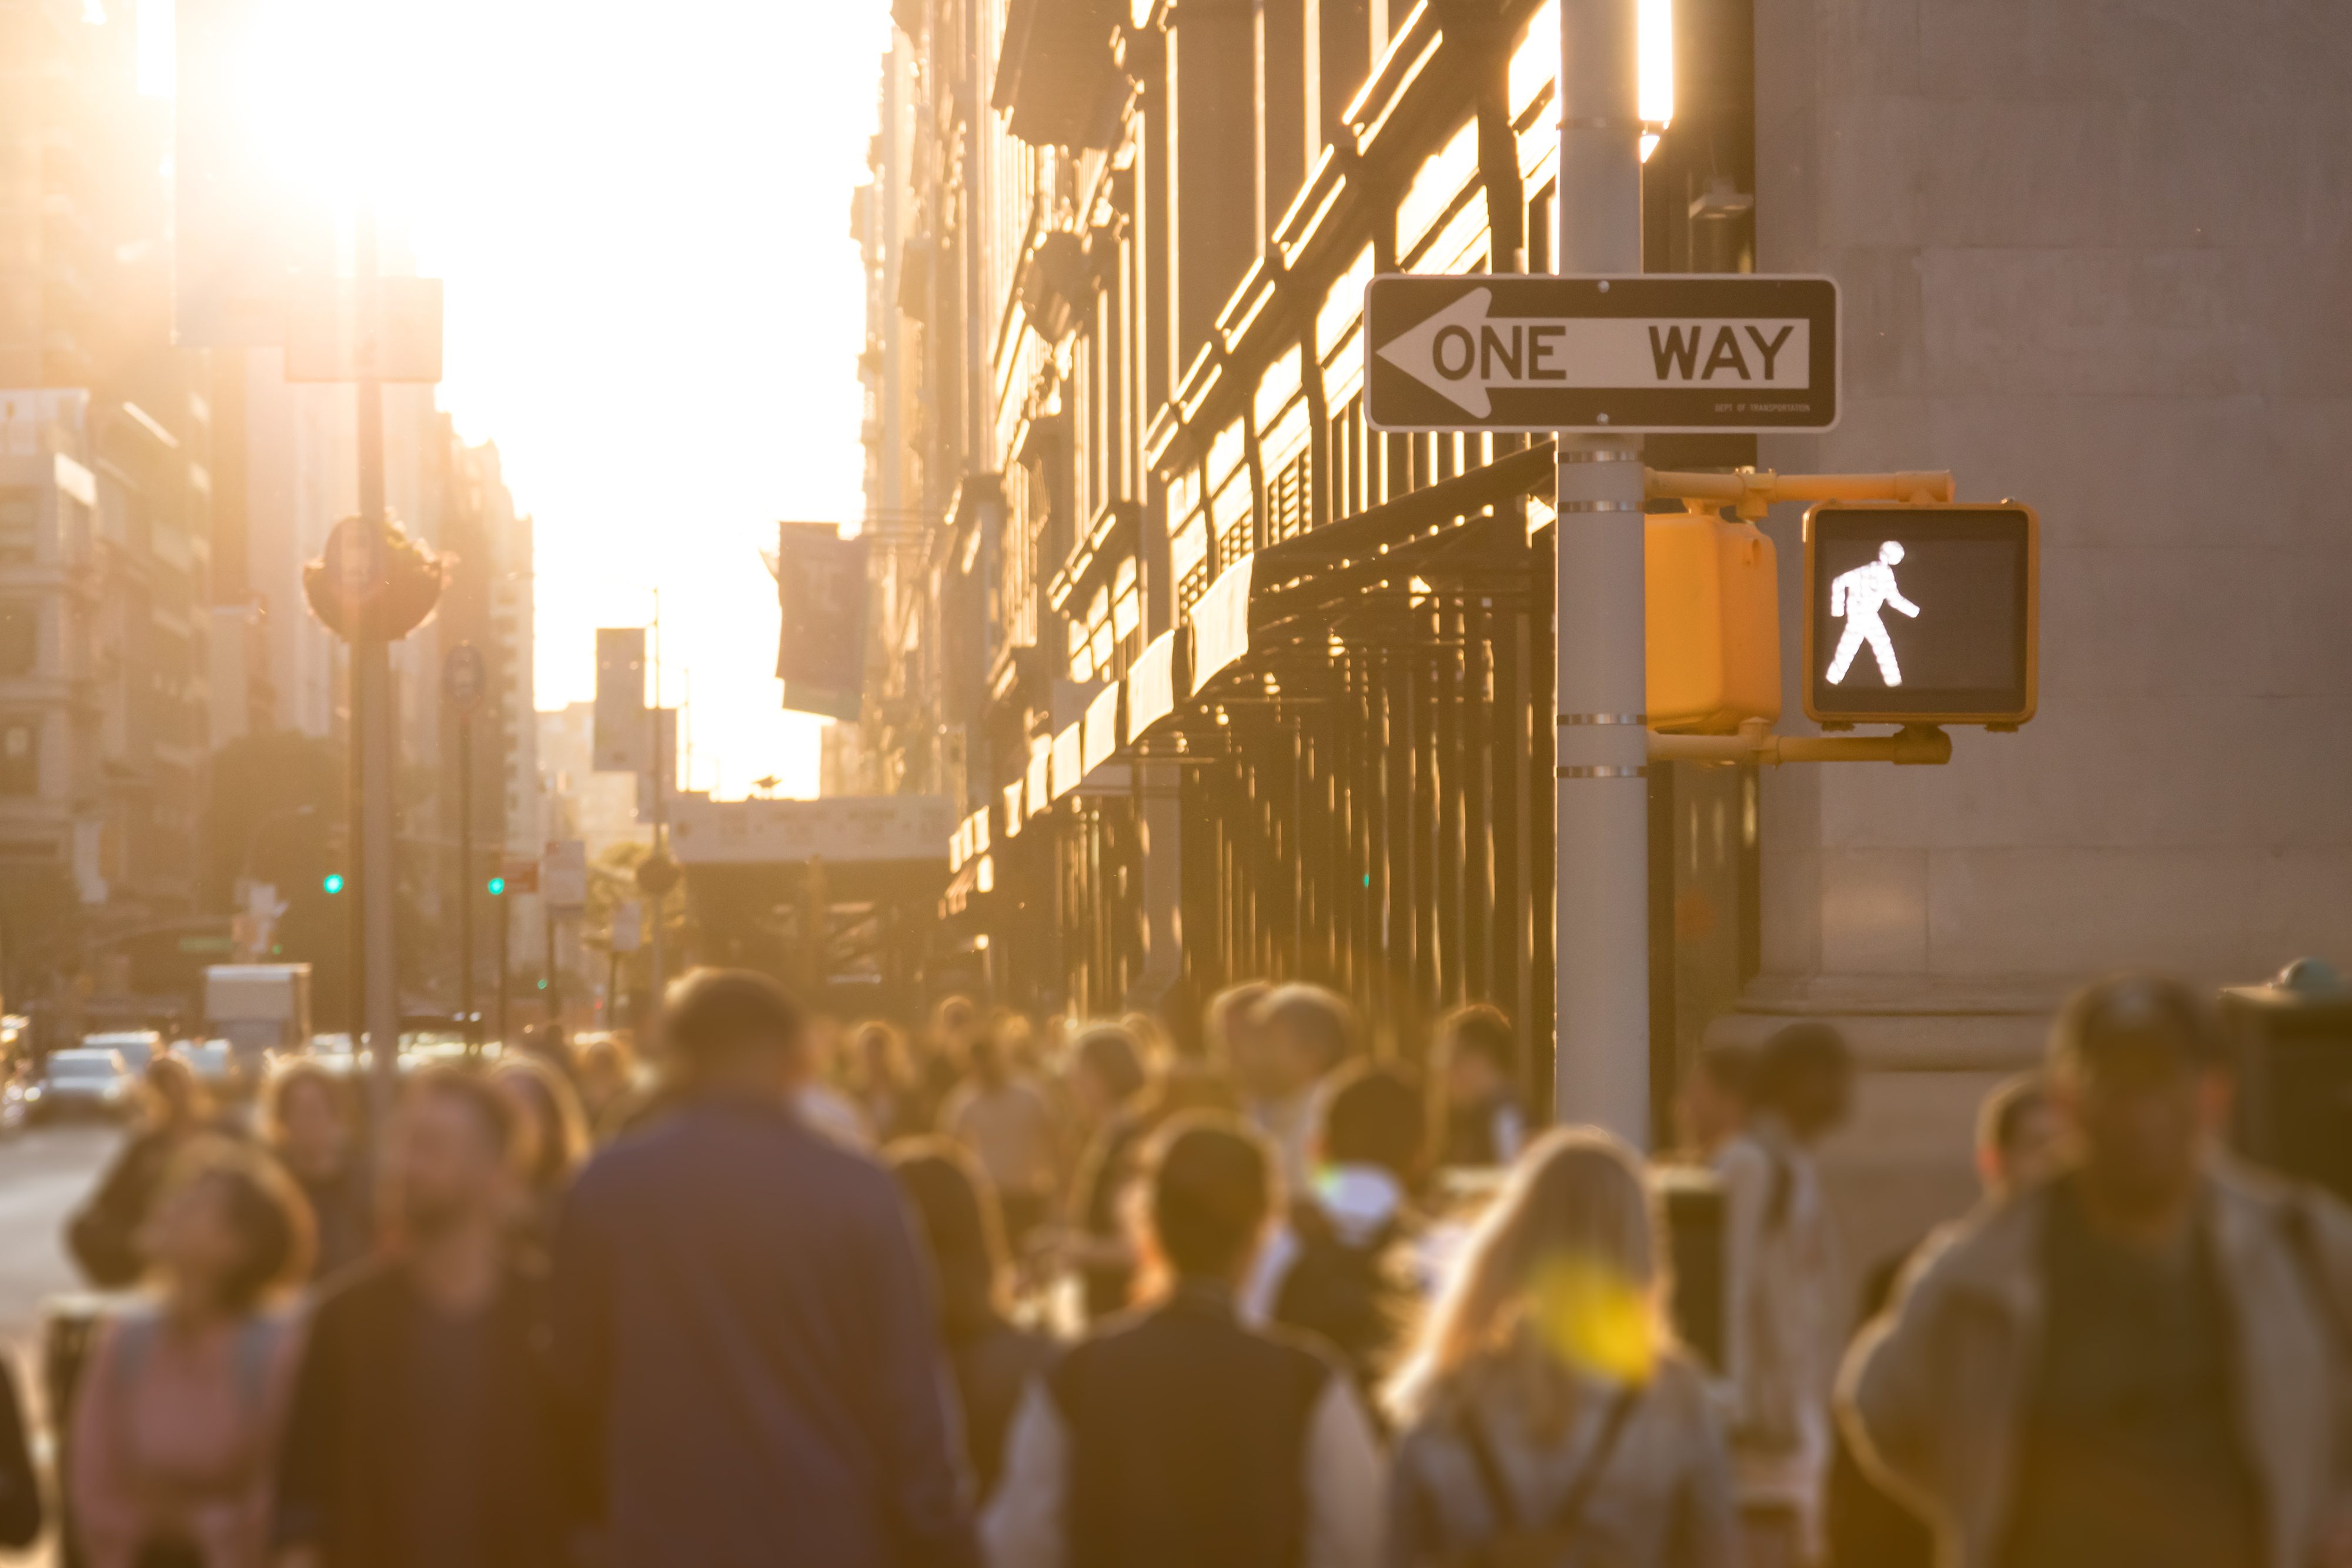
1462	354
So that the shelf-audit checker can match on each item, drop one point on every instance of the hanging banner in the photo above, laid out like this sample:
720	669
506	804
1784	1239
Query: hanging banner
821	647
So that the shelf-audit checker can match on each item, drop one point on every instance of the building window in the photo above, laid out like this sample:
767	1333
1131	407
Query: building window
20	625
20	518
20	757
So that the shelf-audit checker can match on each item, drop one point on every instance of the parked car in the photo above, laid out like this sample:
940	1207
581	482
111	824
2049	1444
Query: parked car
88	1083
137	1047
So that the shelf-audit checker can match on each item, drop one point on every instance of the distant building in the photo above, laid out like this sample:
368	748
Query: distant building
106	492
600	809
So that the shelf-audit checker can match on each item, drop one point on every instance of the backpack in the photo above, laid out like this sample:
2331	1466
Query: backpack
1552	1542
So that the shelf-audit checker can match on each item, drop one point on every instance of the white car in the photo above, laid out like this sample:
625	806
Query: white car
88	1083
137	1047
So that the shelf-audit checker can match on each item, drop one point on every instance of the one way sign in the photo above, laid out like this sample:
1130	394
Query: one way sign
1645	353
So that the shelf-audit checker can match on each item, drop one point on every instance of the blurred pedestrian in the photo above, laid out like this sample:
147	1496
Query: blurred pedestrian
1229	1032
955	1216
880	1076
1009	1127
1785	1312
1299	1035
745	1331
1547	1417
175	1424
1339	1268
310	1120
2020	1143
20	1482
1713	1100
607	1077
939	1064
1107	1083
2020	1136
1486	1121
555	1135
2142	1360
421	1431
103	1234
1177	1434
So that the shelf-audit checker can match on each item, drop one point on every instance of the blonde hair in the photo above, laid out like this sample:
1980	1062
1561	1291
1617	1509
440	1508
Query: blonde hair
1577	1200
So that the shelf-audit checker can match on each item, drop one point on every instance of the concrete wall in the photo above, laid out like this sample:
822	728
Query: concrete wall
2095	258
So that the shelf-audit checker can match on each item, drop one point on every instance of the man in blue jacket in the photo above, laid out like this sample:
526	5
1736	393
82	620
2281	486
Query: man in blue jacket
742	1320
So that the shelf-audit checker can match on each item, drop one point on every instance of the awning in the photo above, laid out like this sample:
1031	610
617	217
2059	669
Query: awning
1098	743
1151	684
1069	758
1057	71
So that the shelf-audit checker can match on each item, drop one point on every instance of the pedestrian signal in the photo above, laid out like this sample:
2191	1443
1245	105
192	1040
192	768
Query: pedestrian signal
497	887
333	882
1921	614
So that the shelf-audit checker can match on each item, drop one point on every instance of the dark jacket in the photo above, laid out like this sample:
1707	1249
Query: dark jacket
747	1330
992	1369
1188	1437
1351	1293
20	1486
348	1433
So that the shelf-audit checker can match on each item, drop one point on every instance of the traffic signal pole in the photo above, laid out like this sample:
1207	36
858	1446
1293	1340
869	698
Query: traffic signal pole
372	725
465	884
1601	969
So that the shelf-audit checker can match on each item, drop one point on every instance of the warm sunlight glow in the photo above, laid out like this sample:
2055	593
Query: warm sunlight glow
1657	85
653	305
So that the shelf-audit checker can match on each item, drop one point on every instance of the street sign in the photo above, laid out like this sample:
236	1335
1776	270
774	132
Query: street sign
1921	614
565	875
520	876
465	678
628	927
1660	352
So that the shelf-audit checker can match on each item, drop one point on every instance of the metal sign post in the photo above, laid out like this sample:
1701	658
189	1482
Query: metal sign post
465	679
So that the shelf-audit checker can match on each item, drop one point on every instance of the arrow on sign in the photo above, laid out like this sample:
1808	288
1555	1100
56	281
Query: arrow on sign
1463	354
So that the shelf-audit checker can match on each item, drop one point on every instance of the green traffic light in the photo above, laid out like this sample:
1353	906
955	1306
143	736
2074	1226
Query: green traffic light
334	883
497	887
543	985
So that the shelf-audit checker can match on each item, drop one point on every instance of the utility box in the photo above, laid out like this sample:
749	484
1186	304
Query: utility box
258	1007
2294	1040
1711	594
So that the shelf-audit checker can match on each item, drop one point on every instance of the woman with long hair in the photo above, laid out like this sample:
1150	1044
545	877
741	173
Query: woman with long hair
1547	1417
879	1075
557	1138
992	1360
310	1120
176	1425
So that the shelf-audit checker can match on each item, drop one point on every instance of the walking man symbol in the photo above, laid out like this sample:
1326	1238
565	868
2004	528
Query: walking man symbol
1858	596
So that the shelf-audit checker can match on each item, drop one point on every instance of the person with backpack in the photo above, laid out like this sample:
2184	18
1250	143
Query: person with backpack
175	1428
1336	1269
423	1429
1548	1419
1179	1434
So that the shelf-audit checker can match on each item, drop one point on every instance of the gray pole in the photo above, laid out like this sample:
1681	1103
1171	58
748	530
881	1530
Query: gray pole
1602	1062
372	720
655	955
465	873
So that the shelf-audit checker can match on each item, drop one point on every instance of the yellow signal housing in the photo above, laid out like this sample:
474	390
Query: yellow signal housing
1711	590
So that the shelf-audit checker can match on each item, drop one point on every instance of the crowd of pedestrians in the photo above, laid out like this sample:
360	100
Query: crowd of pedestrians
1009	1292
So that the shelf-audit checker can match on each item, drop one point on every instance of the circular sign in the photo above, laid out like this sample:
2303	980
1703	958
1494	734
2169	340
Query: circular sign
465	677
658	875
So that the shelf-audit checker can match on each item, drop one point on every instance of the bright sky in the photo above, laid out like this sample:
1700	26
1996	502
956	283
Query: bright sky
653	306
